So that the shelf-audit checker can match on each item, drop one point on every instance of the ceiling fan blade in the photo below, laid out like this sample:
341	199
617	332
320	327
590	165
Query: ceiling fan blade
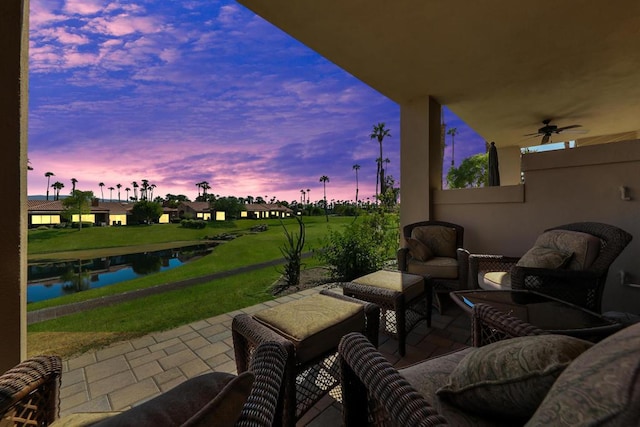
576	131
567	127
545	138
532	134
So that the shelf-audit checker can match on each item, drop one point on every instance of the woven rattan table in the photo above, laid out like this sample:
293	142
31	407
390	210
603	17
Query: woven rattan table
312	365
404	300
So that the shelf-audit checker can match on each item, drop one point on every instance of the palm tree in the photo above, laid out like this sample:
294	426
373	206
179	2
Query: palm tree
308	195
151	187
101	185
144	188
48	175
356	168
127	191
379	133
302	194
324	179
205	186
135	190
73	184
57	186
110	193
118	186
383	178
452	132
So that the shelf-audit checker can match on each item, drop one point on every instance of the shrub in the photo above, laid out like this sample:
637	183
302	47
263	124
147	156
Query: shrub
193	223
85	224
361	248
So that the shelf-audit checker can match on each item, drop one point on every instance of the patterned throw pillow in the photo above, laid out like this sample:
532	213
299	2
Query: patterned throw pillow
418	250
601	388
510	378
441	240
540	257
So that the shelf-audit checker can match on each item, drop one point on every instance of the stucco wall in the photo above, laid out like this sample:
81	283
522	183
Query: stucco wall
580	184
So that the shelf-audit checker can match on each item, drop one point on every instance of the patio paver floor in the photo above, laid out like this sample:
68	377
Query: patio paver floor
128	373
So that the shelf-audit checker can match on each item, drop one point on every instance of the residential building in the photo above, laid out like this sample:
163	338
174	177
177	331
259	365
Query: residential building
265	210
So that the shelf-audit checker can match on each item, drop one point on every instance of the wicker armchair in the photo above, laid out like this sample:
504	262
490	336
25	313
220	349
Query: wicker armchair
431	268
591	384
581	287
374	391
29	392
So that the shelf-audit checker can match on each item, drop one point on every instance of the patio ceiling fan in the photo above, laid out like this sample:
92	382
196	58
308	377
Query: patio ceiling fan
548	129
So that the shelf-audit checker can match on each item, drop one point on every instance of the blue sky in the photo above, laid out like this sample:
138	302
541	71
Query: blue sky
179	92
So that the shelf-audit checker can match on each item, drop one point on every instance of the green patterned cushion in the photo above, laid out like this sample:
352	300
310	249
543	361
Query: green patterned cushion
541	257
510	378
441	240
601	387
584	246
418	250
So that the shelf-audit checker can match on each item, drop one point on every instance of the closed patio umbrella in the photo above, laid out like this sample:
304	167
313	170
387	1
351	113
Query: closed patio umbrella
494	172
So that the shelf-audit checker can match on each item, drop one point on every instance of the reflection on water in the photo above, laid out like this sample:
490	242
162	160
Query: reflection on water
55	279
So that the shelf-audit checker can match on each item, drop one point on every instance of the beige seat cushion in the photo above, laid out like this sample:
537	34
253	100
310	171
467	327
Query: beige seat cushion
494	280
314	324
412	285
585	247
441	240
439	267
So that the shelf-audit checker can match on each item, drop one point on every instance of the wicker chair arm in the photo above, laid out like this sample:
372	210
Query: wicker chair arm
580	287
485	263
490	325
366	371
402	255
463	267
35	381
263	405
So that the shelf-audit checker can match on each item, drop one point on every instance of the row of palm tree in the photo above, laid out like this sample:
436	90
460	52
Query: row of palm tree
379	133
146	189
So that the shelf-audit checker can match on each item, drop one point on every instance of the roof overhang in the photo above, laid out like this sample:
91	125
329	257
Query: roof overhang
502	66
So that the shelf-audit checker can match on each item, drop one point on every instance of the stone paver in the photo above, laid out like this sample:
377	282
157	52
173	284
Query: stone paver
126	374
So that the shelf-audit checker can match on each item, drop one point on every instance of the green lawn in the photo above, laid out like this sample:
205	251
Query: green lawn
173	308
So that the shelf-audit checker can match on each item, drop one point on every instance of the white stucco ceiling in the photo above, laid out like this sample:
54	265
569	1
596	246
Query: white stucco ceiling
501	65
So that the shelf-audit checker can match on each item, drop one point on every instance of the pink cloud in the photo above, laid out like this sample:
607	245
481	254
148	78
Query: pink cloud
84	7
124	24
41	13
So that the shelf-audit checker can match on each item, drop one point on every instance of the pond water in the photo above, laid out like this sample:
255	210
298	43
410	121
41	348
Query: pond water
55	279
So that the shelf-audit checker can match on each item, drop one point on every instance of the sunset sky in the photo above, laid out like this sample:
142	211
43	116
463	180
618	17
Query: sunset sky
179	92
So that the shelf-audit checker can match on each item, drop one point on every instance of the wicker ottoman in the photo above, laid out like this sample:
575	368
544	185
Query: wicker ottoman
310	328
401	297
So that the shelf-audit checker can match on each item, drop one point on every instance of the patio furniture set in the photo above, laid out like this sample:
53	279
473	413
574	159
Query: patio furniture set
544	308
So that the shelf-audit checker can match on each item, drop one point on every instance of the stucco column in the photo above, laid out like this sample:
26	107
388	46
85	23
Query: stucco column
14	79
509	162
420	163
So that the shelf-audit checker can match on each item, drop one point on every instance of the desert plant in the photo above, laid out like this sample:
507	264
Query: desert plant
361	248
292	252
